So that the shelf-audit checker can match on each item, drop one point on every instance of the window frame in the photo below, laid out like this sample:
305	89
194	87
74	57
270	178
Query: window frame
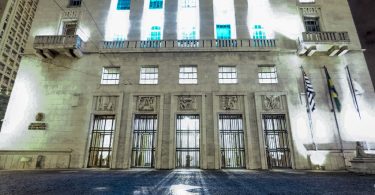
262	75
123	5
184	80
110	79
154	76
221	73
75	3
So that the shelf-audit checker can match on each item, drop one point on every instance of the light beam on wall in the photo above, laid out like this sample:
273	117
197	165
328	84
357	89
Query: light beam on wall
118	23
224	15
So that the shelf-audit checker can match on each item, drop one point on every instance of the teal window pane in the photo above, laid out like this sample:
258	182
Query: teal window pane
123	5
155	33
223	31
156	4
259	32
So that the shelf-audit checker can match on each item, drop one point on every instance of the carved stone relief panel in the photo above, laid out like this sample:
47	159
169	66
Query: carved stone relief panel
146	103
272	102
187	102
229	102
106	103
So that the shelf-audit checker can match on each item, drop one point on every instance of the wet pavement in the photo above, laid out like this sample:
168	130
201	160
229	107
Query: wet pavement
97	181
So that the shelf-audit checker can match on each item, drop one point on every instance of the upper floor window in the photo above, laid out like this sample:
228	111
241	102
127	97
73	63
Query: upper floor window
149	75
74	3
188	74
189	35
267	74
223	31
70	27
258	32
156	4
227	74
311	24
110	76
155	33
123	5
189	3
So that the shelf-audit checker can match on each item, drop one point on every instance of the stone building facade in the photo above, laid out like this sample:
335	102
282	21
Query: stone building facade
147	84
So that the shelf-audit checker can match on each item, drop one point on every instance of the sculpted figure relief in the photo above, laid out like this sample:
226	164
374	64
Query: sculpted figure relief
146	103
187	102
272	102
229	102
105	103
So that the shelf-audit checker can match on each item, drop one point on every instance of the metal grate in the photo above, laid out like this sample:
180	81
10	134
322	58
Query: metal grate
101	141
144	133
276	139
187	141
231	141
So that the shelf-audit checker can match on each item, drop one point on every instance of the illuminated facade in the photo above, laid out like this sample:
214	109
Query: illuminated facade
209	84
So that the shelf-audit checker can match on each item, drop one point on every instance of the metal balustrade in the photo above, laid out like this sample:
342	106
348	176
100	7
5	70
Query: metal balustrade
326	37
189	44
57	41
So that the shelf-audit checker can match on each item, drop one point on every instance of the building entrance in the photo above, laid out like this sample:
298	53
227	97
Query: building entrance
187	141
144	133
276	139
101	141
231	141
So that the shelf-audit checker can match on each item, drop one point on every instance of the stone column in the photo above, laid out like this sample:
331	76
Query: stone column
170	20
136	12
206	12
240	9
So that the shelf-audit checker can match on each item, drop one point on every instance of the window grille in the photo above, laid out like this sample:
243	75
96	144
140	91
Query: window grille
232	146
155	33
149	75
75	3
100	151
267	74
144	134
227	74
187	141
276	140
188	74
312	24
110	76
188	3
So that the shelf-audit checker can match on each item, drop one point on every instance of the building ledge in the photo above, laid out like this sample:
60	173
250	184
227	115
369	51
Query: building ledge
52	45
331	43
188	45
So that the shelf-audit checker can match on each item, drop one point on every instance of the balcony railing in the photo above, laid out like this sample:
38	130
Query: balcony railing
333	43
189	45
58	41
325	37
52	45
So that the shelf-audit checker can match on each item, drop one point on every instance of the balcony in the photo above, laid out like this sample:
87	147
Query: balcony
188	45
50	46
331	43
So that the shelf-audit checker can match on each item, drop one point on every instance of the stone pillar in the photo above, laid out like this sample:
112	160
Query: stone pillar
240	9
206	12
136	12
170	20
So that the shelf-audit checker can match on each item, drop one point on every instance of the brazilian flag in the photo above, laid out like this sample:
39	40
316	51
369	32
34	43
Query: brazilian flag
332	90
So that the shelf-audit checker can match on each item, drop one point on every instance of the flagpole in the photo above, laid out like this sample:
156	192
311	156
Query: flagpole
335	115
352	90
308	110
